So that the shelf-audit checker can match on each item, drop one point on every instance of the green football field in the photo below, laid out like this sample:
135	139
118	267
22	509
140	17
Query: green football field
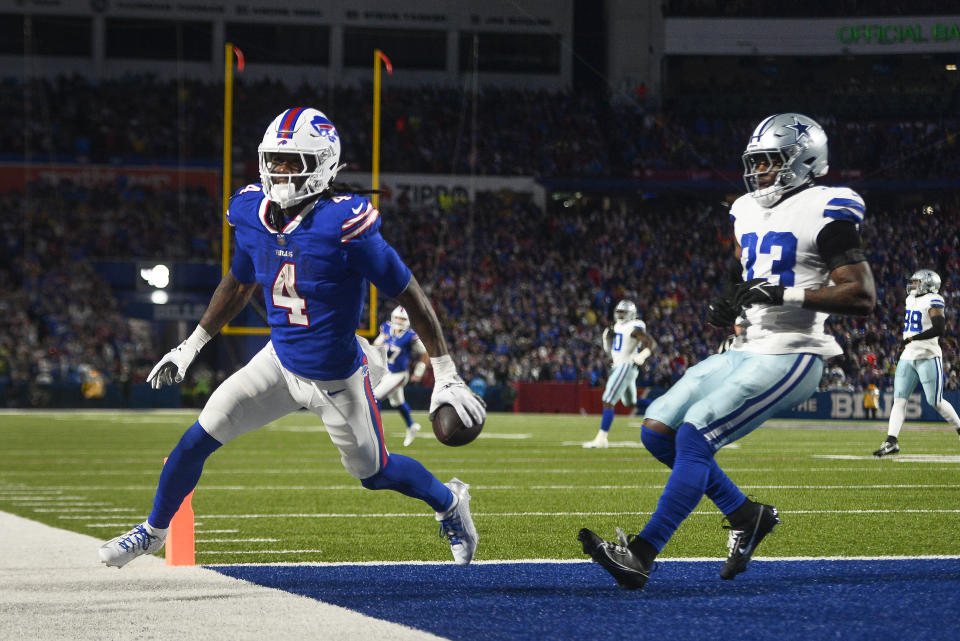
281	495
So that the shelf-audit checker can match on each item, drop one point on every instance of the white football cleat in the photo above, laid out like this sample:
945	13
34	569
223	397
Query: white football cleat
143	539
457	525
411	434
599	441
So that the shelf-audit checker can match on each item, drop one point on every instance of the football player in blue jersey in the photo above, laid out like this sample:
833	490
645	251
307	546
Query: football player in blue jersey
402	343
922	359
798	258
312	247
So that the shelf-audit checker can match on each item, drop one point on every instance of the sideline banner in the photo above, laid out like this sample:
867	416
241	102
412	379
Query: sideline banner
849	405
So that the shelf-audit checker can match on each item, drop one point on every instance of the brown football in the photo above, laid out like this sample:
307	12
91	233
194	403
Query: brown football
450	430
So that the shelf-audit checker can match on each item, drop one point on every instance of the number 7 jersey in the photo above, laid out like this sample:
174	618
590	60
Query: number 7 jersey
779	244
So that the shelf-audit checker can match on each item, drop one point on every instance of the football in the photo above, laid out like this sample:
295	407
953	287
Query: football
450	430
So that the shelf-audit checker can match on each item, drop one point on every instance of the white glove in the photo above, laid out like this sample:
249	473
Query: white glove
174	364
449	389
639	357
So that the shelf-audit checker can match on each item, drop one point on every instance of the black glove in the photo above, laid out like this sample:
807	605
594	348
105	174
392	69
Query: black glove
722	313
757	291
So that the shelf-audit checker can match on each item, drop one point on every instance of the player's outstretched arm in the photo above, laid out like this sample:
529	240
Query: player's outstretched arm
449	387
228	299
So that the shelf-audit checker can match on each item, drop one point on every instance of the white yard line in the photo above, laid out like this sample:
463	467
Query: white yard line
53	588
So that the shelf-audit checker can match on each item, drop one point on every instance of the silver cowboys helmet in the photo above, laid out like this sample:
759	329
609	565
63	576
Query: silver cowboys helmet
399	321
789	148
299	156
929	282
625	311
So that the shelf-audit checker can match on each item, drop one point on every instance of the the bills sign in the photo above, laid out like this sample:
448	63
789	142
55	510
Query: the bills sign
849	405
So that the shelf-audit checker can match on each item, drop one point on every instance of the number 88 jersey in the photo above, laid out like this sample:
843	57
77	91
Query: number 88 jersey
779	243
916	320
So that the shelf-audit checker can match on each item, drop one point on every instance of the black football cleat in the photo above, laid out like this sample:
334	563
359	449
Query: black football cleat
745	537
623	564
889	446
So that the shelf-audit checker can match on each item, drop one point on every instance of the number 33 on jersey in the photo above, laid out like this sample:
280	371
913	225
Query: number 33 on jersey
779	244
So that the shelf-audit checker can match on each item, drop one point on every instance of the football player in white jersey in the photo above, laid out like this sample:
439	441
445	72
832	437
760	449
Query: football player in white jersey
798	259
921	359
629	345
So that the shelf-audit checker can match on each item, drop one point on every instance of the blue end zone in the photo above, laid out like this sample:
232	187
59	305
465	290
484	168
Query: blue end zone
850	600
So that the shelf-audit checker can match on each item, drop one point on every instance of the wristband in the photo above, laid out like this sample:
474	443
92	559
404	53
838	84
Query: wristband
198	338
419	369
443	368
794	296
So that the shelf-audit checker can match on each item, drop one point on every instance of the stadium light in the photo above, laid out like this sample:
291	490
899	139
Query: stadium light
159	297
157	276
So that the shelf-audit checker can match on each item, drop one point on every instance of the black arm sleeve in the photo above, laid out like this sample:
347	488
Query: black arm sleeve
839	244
939	324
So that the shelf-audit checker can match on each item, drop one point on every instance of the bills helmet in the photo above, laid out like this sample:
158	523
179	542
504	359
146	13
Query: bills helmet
924	281
399	321
785	151
625	311
299	156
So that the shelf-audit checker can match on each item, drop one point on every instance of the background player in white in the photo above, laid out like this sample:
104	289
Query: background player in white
798	251
629	345
401	343
922	358
312	247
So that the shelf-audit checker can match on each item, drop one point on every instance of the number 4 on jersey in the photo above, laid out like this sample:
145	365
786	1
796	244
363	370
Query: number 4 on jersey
285	295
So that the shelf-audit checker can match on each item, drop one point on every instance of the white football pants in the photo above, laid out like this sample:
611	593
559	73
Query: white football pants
264	390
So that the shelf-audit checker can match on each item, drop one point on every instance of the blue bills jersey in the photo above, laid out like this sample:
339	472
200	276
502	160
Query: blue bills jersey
400	348
313	273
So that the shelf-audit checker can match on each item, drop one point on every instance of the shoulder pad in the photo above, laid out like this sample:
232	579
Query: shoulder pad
739	204
358	215
843	203
244	200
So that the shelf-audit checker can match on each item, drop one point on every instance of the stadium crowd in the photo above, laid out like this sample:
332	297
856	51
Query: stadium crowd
525	293
519	132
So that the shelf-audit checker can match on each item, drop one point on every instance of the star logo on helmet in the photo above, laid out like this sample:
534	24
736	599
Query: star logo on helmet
800	128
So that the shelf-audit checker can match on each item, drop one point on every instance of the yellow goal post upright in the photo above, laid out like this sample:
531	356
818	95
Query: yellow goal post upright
226	253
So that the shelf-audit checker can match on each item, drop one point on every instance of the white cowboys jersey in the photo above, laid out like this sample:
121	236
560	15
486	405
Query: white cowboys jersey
624	344
916	320
779	244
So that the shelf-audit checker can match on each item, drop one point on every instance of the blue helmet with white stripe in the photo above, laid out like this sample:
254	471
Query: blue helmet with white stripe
924	281
785	151
299	156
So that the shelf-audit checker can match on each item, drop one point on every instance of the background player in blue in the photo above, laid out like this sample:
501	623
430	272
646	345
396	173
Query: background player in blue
401	343
922	359
312	249
798	259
